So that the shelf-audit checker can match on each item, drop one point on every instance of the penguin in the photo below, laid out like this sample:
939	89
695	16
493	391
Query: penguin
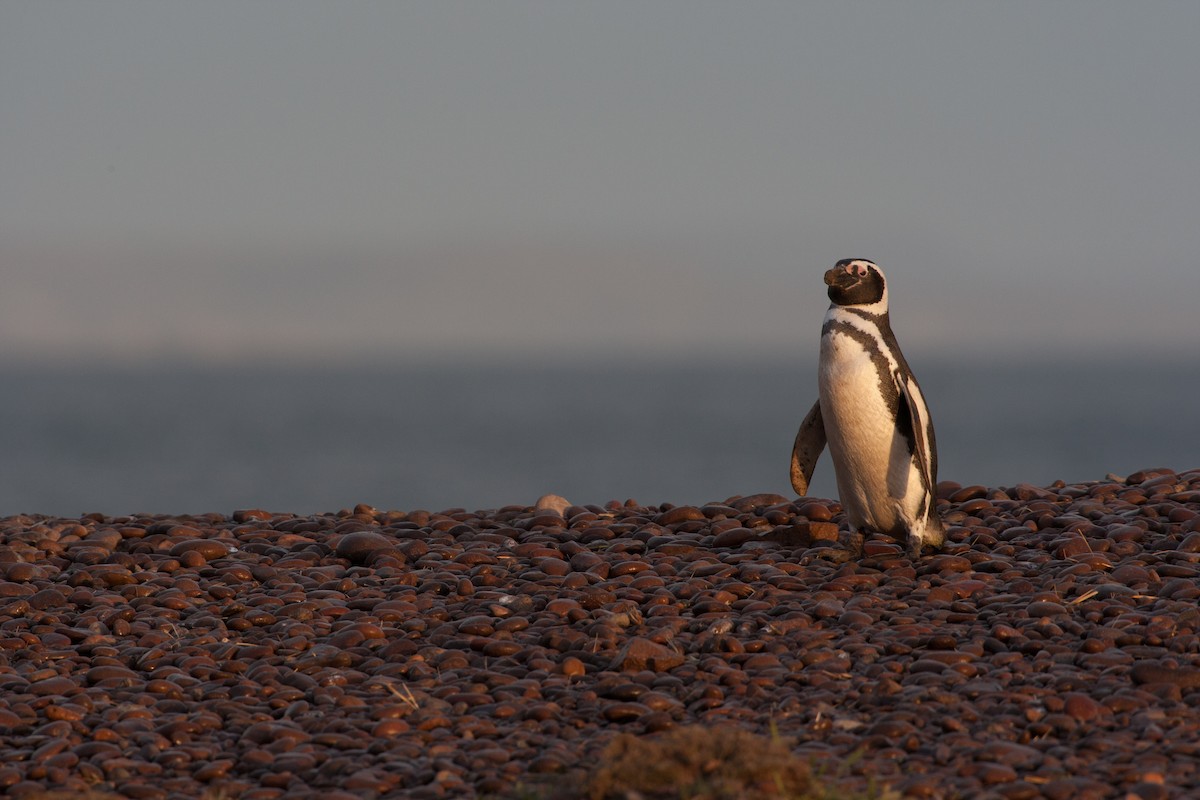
872	414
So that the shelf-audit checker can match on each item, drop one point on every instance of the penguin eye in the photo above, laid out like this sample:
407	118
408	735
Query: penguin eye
860	270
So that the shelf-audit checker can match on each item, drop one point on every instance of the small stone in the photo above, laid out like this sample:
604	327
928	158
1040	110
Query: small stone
572	667
553	566
1150	672
679	514
1082	707
47	599
360	547
734	537
641	653
552	502
1132	575
624	712
1045	608
804	534
990	773
753	501
208	549
251	515
111	673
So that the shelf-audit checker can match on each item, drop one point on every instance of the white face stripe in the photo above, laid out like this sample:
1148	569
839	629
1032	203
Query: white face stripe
861	266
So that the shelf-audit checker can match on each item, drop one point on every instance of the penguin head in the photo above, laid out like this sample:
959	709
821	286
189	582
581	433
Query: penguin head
857	282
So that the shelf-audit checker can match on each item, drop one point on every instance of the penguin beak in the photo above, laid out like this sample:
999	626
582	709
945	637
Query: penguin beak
840	277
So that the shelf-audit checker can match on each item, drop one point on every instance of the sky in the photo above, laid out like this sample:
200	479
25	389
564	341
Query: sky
230	181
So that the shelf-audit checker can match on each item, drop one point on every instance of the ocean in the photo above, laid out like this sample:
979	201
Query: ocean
182	439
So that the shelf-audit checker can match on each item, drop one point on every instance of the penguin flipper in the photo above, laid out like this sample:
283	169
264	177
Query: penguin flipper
913	426
810	441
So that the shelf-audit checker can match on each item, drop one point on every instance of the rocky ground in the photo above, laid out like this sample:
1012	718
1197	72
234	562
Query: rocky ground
1050	651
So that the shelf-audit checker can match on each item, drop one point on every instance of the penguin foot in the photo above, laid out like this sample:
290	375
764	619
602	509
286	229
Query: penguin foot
926	537
918	549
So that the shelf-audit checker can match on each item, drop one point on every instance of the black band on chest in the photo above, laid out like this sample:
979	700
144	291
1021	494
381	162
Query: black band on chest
883	367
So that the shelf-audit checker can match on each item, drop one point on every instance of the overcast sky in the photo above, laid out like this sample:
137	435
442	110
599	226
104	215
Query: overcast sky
329	179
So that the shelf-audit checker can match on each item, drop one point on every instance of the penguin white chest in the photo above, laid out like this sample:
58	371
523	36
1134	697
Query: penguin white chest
871	460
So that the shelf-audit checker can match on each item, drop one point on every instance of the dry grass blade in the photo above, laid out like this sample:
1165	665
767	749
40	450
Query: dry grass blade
405	694
1088	595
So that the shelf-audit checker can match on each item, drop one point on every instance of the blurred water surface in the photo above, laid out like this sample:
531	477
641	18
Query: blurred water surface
187	439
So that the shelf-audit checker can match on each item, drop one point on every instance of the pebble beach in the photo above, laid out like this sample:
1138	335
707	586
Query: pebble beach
1050	651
